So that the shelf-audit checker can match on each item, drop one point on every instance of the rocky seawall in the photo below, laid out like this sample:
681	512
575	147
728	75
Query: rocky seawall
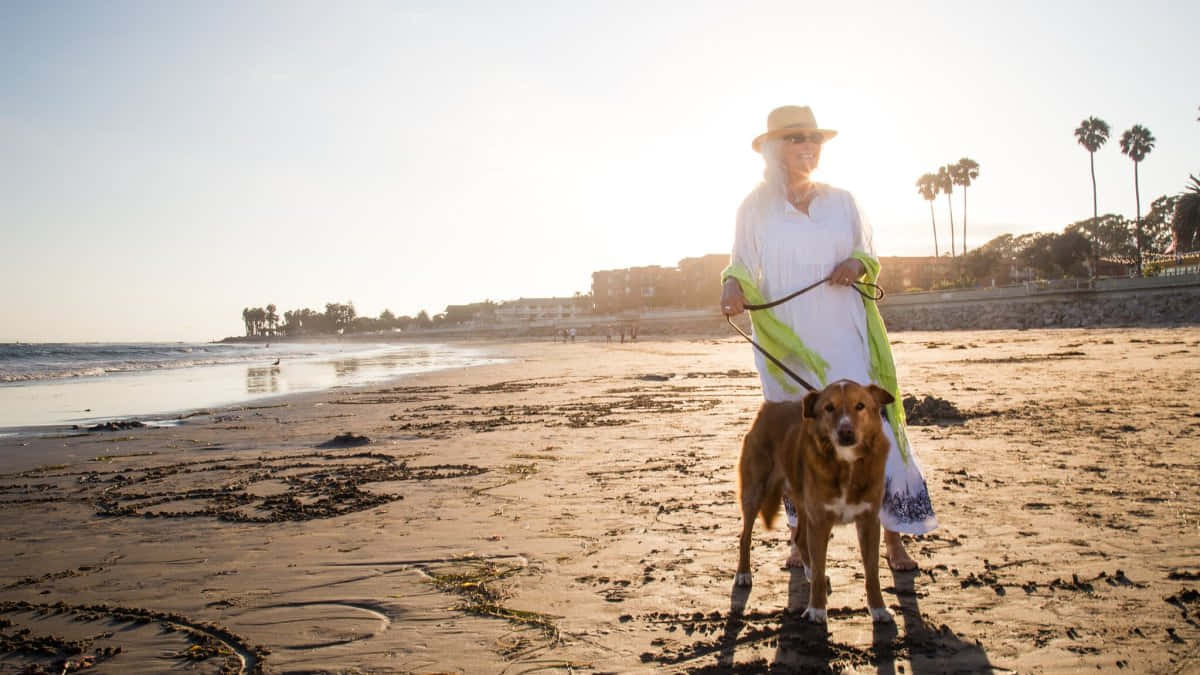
1158	311
1161	306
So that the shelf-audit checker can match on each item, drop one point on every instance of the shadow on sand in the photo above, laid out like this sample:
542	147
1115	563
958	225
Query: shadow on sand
909	646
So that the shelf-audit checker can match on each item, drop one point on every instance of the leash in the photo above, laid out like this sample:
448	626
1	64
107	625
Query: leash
875	294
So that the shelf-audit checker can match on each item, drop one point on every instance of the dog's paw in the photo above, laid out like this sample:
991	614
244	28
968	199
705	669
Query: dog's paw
815	615
881	615
742	579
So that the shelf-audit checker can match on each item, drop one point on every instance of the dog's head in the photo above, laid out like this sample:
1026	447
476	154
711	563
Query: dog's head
845	411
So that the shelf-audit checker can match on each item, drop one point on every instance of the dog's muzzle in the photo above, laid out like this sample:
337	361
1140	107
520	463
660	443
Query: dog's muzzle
845	432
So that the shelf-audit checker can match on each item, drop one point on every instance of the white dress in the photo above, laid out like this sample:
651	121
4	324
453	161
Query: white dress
785	250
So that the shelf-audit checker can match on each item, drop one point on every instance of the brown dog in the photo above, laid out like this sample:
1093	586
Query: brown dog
829	452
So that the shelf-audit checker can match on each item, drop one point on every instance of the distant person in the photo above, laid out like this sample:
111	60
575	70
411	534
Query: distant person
572	334
608	333
792	232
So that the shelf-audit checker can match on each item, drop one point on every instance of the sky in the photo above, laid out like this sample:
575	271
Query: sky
164	165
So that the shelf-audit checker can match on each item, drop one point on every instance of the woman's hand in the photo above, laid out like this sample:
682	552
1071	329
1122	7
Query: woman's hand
847	272
733	301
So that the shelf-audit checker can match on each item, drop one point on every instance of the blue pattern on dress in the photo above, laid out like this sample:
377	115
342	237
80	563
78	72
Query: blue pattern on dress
906	506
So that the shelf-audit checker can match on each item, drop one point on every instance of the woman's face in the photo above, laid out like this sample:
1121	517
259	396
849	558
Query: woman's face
802	153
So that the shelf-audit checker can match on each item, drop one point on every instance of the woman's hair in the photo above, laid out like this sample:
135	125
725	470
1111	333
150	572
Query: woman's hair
770	195
775	176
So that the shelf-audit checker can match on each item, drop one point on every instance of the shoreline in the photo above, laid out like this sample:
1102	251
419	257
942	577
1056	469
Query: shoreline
165	393
574	508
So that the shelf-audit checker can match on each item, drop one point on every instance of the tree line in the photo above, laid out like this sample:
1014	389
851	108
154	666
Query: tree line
1076	252
338	318
342	318
1136	143
1173	223
1182	210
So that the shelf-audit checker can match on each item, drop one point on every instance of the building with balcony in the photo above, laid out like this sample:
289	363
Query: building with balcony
635	289
542	309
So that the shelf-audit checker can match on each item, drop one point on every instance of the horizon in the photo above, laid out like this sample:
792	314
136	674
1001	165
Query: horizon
170	165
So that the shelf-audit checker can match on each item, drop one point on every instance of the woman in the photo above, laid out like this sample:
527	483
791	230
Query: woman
792	232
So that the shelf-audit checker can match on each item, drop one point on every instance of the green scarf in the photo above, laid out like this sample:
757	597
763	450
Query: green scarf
883	366
774	335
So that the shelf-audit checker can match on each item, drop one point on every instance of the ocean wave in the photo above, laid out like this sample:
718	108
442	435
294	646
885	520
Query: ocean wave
96	371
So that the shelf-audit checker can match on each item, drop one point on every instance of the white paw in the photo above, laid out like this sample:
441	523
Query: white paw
815	615
742	579
881	615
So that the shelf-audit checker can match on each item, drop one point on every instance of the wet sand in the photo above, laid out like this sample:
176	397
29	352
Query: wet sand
574	509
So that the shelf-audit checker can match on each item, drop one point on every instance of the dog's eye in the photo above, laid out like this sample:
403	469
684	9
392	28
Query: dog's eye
860	406
828	407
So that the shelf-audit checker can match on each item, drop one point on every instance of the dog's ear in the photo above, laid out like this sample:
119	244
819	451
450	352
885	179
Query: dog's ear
810	404
881	395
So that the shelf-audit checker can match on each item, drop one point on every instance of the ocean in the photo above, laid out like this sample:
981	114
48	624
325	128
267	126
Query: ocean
77	383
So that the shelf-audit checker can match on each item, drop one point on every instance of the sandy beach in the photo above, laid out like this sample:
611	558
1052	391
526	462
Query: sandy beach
573	509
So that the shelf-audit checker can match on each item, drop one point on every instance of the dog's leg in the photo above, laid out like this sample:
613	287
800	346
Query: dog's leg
868	544
818	545
752	495
743	570
800	539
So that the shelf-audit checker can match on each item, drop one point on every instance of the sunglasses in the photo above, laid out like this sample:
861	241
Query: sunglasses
796	139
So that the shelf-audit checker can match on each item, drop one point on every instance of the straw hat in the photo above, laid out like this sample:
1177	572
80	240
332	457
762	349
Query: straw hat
788	120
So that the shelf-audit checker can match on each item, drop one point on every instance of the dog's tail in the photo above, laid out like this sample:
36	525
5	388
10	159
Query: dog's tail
770	504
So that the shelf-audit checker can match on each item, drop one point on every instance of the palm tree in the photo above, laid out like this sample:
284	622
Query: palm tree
946	184
1186	223
1091	134
1136	143
927	186
965	171
258	317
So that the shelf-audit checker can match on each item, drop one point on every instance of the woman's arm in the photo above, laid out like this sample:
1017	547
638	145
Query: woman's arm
745	253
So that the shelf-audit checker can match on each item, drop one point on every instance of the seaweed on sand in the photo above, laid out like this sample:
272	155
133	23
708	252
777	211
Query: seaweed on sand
477	583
